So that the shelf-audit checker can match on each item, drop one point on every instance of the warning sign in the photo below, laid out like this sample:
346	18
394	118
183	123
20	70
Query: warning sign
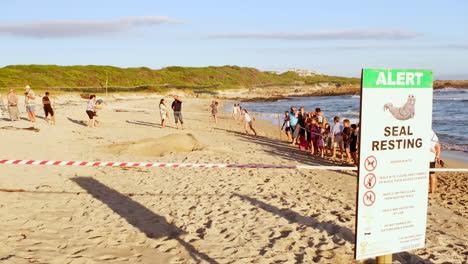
396	107
370	163
370	180
369	198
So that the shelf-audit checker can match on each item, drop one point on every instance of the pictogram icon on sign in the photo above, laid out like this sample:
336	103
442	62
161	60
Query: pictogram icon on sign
370	163
370	180
369	198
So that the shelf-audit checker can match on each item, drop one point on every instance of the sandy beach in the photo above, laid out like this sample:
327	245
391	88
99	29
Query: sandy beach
54	214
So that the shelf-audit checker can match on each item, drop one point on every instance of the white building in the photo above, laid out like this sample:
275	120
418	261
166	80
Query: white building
303	73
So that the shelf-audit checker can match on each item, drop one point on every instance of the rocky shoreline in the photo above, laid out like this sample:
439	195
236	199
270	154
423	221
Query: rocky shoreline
281	92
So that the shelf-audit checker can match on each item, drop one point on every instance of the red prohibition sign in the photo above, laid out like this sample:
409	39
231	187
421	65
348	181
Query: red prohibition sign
370	163
369	198
370	180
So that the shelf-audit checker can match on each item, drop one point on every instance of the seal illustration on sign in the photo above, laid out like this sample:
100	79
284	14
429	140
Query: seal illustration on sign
404	112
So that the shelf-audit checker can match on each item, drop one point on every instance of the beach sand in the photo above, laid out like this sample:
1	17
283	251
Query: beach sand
188	215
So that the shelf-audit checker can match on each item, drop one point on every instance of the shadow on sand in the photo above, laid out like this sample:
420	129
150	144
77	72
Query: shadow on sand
142	123
331	228
286	151
78	122
149	223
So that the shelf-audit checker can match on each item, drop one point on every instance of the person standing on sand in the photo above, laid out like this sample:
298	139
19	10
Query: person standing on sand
434	158
337	139
177	108
320	116
299	130
287	126
214	111
91	111
29	97
2	106
163	112
248	122
12	101
48	109
235	111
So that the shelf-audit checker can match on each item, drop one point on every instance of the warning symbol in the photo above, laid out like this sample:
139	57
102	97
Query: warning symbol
369	198
370	180
370	163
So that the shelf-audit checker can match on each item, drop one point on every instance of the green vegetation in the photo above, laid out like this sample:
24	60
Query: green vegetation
78	78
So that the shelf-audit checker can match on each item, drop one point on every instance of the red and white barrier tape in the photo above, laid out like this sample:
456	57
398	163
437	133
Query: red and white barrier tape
181	165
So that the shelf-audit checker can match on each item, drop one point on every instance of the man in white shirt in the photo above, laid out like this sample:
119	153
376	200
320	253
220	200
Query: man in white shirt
29	97
434	157
337	140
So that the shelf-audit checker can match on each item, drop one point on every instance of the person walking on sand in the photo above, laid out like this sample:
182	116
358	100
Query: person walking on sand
91	111
214	111
29	97
163	112
12	102
48	108
248	122
177	108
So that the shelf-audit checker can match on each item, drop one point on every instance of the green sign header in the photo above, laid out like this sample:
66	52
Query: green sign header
395	78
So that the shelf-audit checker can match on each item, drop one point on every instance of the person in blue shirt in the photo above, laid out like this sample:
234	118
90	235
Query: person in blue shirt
292	119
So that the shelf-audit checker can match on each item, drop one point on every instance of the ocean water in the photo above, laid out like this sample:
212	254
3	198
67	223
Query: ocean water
450	112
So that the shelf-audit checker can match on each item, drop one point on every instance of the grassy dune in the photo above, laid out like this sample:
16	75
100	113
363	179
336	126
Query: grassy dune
213	78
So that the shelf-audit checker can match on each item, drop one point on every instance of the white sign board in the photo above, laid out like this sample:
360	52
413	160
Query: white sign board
394	151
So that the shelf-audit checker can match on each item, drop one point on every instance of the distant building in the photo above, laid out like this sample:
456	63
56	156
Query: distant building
303	73
273	72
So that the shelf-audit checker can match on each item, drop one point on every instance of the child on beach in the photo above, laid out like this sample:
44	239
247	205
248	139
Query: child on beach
163	112
248	122
235	111
287	126
320	143
327	139
353	144
48	108
314	133
214	111
346	140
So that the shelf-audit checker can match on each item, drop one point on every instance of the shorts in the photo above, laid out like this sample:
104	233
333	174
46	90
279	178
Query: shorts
288	128
178	117
48	110
30	108
91	114
346	146
432	166
338	141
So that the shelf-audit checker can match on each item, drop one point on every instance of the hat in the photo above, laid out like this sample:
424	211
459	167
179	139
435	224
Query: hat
27	87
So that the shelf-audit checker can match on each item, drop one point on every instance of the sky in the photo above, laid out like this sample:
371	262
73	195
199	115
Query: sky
330	37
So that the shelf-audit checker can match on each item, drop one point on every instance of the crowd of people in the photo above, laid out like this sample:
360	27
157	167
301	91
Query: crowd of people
312	132
12	103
